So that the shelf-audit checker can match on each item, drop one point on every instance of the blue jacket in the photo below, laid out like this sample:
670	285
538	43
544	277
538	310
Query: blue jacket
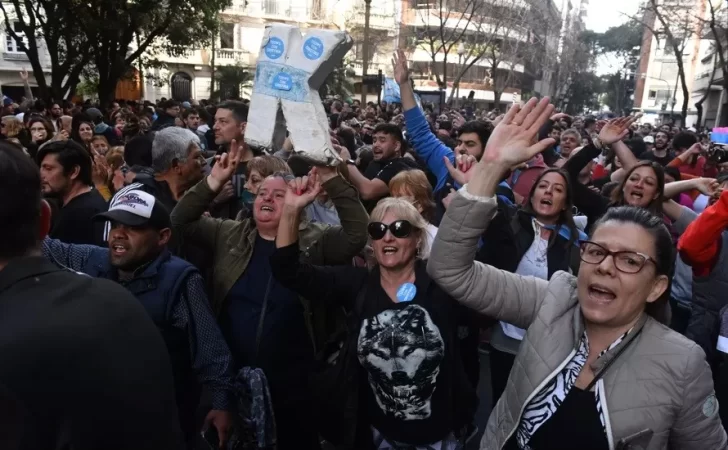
430	148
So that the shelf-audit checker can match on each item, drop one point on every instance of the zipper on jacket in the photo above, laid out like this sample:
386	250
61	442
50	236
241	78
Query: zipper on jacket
535	392
605	413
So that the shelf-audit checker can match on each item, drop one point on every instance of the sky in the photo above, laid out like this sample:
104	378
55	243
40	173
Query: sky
603	14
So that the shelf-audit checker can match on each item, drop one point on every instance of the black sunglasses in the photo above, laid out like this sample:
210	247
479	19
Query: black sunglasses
399	229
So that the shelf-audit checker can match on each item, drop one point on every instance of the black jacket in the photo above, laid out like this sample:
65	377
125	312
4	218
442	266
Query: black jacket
83	363
509	236
427	324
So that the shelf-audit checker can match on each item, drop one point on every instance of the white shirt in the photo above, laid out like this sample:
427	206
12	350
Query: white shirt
534	264
430	233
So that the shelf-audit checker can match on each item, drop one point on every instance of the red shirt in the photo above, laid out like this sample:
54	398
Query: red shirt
700	245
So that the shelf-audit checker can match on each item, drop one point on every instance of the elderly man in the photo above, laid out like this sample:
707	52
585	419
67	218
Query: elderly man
178	165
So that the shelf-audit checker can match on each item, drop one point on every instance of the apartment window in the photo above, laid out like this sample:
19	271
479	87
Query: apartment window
652	95
227	35
427	4
270	7
10	44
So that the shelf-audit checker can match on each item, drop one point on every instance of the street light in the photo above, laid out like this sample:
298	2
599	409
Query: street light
461	52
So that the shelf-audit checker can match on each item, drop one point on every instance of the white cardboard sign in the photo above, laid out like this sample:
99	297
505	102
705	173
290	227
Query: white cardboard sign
291	67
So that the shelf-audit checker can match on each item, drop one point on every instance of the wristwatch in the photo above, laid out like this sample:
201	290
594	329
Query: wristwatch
351	162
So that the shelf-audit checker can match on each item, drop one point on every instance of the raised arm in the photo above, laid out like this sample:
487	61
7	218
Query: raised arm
187	216
483	288
343	242
333	284
431	149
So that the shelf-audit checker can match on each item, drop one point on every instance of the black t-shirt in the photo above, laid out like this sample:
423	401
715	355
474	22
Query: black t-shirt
385	171
84	364
574	426
661	160
74	224
414	387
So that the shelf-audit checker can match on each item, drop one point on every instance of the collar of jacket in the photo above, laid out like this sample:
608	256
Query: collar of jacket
606	359
22	268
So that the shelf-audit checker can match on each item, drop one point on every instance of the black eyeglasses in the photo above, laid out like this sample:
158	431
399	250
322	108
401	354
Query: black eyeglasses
399	229
624	261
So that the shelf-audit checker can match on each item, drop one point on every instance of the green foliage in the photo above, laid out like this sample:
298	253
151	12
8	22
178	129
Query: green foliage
584	93
101	32
339	82
620	39
231	80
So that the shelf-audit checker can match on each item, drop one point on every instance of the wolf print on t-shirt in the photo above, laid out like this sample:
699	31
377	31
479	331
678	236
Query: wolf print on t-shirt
402	351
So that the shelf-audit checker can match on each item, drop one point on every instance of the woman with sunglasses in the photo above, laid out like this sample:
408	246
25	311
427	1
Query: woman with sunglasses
595	370
415	391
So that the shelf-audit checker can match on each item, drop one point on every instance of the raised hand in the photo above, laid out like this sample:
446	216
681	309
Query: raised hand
558	116
302	191
401	70
101	172
707	186
24	75
513	141
225	166
616	129
463	171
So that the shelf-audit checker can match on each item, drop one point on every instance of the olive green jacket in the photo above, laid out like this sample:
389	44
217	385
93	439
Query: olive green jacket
231	242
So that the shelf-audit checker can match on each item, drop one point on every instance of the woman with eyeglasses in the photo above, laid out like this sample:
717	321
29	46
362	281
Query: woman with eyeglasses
595	370
412	388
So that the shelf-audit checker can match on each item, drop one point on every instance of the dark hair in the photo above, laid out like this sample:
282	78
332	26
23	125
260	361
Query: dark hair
138	151
239	109
19	202
589	121
76	122
482	129
664	249
46	124
190	112
655	206
673	172
70	154
684	140
565	217
392	130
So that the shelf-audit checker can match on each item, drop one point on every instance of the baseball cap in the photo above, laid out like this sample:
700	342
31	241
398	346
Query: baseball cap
186	105
649	140
94	113
137	208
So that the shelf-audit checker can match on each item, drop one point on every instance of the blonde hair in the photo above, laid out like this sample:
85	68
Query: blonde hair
414	184
115	157
13	125
403	210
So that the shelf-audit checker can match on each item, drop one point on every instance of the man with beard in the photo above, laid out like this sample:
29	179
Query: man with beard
660	153
172	292
65	173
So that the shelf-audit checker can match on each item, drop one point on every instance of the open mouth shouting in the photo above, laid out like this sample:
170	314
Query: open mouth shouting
601	294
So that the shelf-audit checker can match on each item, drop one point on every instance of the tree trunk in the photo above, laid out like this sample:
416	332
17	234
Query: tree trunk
497	98
699	103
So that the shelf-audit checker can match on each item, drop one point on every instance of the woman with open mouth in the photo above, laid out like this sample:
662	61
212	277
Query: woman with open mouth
641	183
538	239
409	387
596	370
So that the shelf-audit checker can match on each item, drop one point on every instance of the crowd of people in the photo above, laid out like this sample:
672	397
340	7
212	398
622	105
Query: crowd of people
165	286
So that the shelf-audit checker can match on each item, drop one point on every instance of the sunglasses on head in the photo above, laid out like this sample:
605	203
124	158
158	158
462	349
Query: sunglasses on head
399	229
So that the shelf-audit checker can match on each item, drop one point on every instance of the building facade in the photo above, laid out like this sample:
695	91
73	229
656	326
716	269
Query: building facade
13	61
658	94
